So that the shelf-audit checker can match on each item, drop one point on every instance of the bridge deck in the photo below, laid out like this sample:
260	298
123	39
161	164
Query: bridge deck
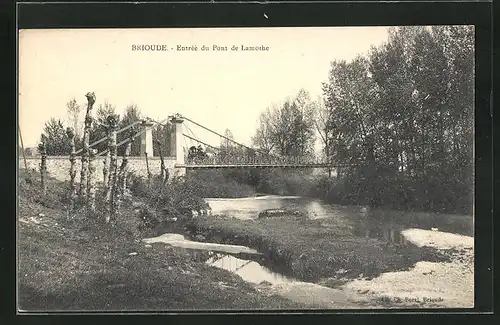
261	165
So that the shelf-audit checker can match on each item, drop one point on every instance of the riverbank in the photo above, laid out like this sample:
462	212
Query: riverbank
332	269
81	264
307	249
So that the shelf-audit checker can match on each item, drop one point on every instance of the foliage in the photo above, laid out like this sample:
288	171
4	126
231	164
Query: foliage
163	134
287	130
196	154
74	111
217	183
175	199
404	113
132	114
98	130
55	138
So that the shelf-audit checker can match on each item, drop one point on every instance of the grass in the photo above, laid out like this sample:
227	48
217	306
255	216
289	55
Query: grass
82	264
308	251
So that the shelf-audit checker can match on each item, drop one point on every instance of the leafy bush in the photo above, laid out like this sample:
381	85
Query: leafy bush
164	201
217	183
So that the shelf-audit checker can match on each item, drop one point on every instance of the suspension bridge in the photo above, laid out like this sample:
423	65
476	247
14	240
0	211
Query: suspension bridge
190	152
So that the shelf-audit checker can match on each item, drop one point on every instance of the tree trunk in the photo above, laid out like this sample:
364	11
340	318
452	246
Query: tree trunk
147	168
85	153
91	182
163	171
122	177
105	168
72	170
110	190
122	183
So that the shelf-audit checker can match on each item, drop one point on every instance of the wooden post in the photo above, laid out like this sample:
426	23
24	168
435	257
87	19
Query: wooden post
85	152
22	147
43	165
112	122
72	170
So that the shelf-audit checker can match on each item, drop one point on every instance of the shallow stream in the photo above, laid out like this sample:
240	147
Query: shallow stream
384	225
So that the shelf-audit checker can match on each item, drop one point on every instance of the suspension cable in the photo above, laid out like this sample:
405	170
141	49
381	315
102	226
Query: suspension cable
220	135
120	143
199	141
105	138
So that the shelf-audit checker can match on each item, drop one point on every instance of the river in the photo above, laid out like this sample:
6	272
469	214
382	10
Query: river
362	221
384	225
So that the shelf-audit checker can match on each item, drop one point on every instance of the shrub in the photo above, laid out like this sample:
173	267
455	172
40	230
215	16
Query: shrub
175	199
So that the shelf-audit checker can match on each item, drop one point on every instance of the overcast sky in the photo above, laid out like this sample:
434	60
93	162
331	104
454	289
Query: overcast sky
219	89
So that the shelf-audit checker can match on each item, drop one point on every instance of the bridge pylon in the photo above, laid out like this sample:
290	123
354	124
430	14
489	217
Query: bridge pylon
147	138
176	147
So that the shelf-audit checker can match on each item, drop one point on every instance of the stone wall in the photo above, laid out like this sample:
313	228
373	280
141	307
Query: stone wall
58	166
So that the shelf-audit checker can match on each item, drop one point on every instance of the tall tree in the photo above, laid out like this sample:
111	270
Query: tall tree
325	127
74	112
226	143
55	138
163	134
99	127
407	109
132	114
286	130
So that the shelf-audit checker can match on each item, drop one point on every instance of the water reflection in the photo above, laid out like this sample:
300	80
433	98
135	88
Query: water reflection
248	270
362	221
387	232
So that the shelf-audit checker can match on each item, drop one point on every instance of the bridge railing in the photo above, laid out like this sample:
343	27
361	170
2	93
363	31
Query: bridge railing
238	160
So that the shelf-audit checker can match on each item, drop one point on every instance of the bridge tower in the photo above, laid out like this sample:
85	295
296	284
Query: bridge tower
147	138
176	141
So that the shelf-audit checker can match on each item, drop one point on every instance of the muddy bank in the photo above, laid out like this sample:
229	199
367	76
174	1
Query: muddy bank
448	284
177	240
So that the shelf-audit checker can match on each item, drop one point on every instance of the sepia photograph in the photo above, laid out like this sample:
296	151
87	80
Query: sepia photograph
269	168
